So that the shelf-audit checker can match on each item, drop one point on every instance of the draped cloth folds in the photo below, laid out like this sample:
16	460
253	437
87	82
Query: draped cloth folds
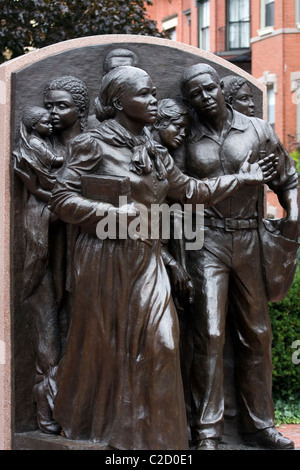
119	381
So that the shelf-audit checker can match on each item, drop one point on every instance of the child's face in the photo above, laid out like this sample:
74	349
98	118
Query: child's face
44	126
173	135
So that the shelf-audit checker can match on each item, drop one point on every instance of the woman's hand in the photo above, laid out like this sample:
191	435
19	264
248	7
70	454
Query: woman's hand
259	172
180	280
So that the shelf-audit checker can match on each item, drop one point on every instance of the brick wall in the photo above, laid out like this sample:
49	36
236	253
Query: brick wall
276	53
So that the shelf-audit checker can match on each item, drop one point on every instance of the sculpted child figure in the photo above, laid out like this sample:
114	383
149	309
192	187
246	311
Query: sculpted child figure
119	381
170	130
44	133
36	130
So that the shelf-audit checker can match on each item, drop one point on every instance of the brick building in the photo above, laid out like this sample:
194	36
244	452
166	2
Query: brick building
260	36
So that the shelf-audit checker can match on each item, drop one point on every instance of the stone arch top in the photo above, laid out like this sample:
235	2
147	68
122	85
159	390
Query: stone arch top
163	59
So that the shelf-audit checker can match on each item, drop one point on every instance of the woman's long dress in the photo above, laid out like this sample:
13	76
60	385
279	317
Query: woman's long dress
119	382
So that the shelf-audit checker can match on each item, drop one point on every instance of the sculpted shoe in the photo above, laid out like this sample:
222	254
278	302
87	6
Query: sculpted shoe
270	438
207	444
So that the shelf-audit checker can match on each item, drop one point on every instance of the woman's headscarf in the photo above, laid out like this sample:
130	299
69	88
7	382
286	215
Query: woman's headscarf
117	82
145	154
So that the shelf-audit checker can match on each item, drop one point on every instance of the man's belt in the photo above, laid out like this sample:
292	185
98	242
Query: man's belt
230	225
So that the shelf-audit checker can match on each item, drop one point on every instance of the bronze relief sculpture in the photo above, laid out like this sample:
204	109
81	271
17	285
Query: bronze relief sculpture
237	92
125	321
44	135
221	271
112	370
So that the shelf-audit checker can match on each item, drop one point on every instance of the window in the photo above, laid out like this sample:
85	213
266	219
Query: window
267	13
238	24
186	27
170	26
270	80
271	105
295	89
204	21
297	13
172	33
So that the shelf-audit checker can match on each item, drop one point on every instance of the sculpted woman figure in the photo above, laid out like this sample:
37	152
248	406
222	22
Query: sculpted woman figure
38	158
119	382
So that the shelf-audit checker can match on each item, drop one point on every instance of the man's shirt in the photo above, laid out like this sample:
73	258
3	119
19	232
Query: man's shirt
209	155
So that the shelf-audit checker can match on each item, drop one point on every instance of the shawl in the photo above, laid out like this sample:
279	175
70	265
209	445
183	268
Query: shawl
146	153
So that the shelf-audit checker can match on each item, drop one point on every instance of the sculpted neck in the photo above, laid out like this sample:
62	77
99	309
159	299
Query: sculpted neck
217	122
66	135
135	127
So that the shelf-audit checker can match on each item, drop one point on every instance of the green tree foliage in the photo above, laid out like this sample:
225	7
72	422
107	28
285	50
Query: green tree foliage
296	156
285	318
26	24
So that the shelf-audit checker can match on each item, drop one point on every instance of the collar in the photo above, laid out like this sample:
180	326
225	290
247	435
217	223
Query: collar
239	122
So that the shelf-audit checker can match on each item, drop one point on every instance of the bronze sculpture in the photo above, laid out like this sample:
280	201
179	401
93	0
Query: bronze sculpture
67	100
112	59
169	130
228	268
237	93
44	135
119	381
171	124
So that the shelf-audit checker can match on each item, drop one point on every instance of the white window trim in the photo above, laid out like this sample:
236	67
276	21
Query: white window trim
297	14
265	30
269	79
295	80
170	24
263	26
295	89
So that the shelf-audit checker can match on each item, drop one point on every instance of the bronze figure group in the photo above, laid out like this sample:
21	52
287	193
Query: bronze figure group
111	366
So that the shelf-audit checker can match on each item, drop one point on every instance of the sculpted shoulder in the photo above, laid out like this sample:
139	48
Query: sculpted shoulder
86	137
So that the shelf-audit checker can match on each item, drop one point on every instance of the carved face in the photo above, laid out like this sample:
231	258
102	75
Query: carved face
173	135
62	109
243	101
139	103
44	126
205	94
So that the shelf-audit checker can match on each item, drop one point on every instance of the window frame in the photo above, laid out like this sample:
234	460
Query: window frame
170	25
297	13
271	87
263	15
201	28
240	22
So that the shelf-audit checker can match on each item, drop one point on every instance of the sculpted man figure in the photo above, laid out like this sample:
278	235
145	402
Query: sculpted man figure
228	268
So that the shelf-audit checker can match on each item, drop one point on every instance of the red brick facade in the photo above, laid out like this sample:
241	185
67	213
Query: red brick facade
273	53
279	53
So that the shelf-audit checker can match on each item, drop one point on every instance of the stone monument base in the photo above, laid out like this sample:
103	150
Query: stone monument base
37	440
